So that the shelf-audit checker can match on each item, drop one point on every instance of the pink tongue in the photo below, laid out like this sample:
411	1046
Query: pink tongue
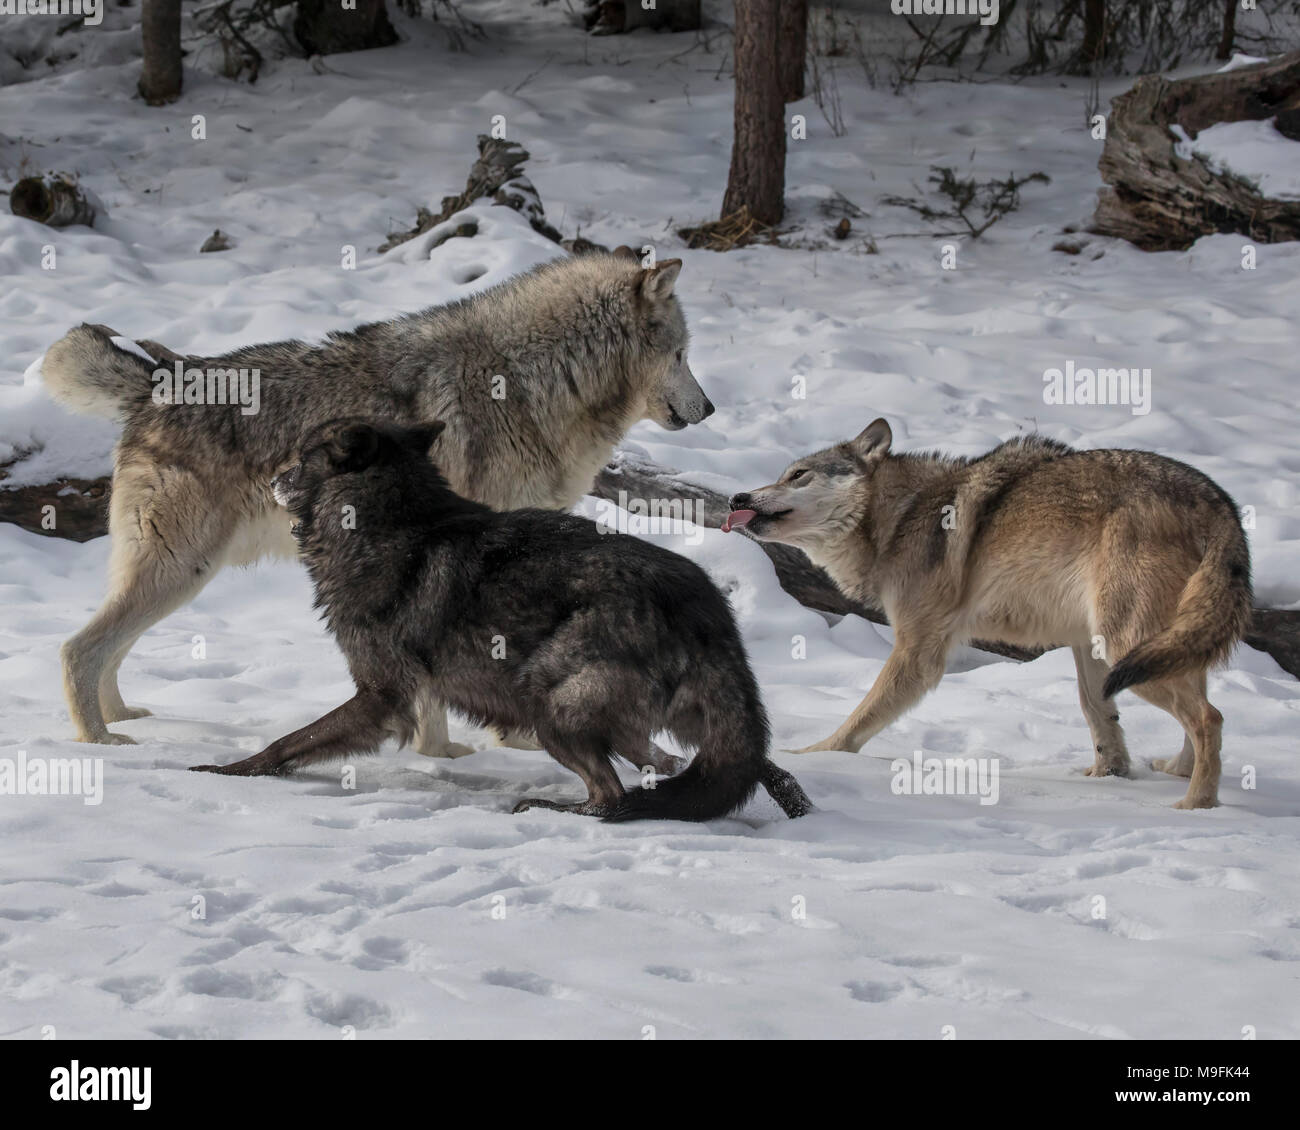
738	518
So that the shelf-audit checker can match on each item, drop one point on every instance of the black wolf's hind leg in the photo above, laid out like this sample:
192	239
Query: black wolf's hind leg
590	761
785	790
358	726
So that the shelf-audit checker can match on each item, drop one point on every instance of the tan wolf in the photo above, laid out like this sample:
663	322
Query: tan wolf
1135	561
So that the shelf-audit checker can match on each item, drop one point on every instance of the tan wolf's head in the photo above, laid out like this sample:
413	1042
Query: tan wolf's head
819	498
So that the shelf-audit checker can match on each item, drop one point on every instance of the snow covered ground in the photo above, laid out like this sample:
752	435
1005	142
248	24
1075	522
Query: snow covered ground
416	904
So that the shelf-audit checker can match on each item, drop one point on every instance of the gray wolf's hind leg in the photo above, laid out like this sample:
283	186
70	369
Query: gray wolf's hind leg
358	726
431	737
165	542
1110	753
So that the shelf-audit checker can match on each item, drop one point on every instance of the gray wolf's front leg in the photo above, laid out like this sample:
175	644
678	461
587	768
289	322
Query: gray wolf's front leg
431	736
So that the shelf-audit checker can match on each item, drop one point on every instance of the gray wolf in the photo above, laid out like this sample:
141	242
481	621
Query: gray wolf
1135	561
536	380
528	619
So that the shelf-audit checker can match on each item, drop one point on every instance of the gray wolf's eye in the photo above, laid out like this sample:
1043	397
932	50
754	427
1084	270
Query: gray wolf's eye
679	356
802	473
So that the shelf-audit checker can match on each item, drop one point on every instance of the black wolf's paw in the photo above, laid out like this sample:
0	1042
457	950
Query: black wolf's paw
249	767
585	808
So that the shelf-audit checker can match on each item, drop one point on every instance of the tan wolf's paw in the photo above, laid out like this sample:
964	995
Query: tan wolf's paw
1170	765
823	746
1189	802
1107	770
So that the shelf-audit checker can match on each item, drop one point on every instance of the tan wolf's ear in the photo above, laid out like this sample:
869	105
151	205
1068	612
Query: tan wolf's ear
657	282
873	442
623	251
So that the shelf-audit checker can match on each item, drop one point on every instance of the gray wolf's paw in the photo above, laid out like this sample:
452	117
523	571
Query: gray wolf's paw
107	738
126	713
446	749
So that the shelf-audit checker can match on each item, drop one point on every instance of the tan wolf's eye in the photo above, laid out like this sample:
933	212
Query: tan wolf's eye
802	473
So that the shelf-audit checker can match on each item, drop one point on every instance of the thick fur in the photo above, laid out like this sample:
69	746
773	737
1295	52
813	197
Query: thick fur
536	379
1137	562
528	619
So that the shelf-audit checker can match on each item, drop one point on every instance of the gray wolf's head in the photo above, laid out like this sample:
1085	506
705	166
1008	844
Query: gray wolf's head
819	498
351	446
673	398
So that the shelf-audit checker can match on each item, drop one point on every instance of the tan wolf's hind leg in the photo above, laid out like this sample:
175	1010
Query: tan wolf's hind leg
1110	755
1184	697
165	543
913	668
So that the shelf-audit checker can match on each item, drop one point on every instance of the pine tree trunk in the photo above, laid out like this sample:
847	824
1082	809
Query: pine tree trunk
757	178
793	48
1229	29
325	27
1094	34
160	29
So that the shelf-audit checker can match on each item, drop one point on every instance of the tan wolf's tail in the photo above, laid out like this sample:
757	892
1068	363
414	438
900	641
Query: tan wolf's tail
1213	613
88	373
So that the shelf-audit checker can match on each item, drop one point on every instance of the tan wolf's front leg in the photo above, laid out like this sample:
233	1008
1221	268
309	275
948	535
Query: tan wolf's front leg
913	668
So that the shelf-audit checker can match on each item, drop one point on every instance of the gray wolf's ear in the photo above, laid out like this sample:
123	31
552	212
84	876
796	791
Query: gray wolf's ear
657	282
873	442
623	251
424	435
353	447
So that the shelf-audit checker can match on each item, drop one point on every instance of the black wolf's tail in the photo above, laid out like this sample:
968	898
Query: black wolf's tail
88	373
729	764
1213	613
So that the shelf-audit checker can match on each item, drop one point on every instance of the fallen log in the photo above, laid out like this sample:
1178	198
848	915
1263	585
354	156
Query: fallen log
1162	201
54	201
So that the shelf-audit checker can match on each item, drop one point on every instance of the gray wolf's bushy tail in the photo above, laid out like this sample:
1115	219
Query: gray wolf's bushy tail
1212	616
87	372
729	764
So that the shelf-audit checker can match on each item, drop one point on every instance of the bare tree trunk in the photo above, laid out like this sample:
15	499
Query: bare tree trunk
793	48
1229	29
1094	34
757	178
325	27
160	28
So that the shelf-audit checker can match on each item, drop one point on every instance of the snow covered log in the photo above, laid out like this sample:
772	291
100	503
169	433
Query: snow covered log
53	200
1163	200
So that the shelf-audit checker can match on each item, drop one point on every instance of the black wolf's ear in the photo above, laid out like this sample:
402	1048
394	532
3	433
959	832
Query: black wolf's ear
657	282
424	435
873	442
623	251
353	447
